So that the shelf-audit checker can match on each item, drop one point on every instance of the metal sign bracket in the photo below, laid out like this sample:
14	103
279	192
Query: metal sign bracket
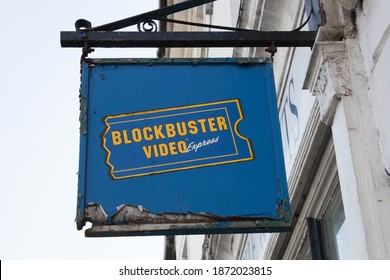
106	36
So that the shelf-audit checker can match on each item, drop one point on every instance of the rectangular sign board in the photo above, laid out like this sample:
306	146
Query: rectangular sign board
180	146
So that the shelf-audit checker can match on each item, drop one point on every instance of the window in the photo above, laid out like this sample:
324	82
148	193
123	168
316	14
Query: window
329	235
335	231
321	228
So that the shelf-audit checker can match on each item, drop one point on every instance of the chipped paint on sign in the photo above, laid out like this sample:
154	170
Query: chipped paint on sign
180	147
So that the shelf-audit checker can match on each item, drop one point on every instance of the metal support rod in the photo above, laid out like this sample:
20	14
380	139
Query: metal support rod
162	12
110	39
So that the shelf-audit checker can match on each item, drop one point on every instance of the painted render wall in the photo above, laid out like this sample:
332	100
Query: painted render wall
351	55
354	52
373	25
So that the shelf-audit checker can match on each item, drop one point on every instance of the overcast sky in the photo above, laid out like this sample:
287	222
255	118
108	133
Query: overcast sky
39	87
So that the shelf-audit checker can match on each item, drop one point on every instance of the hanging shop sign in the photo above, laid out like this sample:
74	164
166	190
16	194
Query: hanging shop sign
180	147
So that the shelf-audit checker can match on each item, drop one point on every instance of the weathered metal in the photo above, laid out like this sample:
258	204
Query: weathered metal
135	221
103	36
254	226
135	177
109	39
152	15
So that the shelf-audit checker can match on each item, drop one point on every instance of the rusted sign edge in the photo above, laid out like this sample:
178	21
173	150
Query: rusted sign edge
134	220
256	226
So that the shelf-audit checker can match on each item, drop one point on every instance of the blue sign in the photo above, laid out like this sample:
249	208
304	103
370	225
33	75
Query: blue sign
180	147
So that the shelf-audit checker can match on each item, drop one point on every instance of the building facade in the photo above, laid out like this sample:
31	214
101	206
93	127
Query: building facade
333	102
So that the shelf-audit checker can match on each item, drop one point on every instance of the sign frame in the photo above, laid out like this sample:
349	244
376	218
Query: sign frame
139	217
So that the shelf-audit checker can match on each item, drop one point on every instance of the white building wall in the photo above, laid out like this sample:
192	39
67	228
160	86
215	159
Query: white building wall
374	31
225	13
352	91
348	90
351	99
373	25
189	247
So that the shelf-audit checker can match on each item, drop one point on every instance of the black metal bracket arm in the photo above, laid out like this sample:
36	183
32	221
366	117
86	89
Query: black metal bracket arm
105	36
110	39
143	18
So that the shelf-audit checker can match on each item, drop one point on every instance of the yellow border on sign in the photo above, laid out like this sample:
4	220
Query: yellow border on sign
171	163
235	128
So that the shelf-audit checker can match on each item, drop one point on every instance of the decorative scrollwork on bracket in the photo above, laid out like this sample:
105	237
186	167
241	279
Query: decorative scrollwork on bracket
147	26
